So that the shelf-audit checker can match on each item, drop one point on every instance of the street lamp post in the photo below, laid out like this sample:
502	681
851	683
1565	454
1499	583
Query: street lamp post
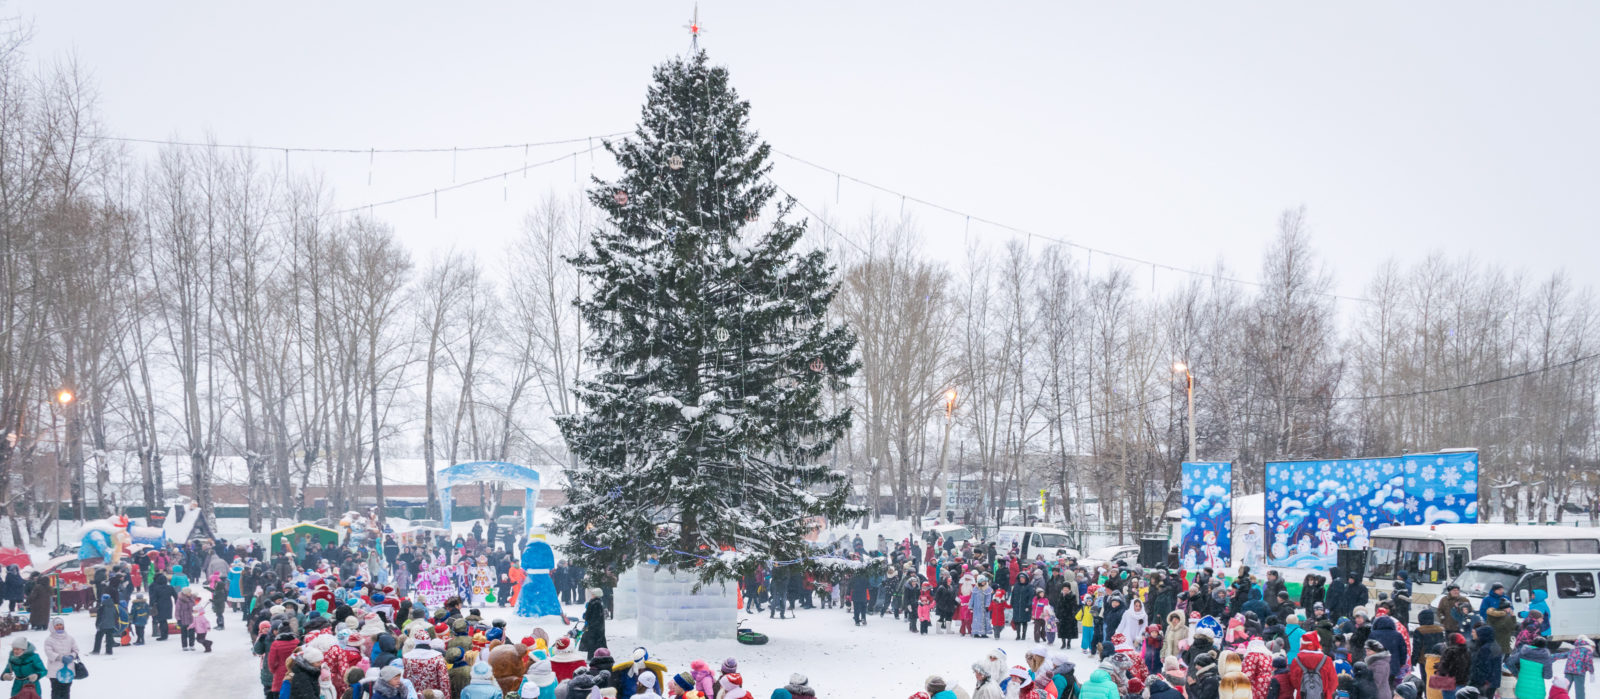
64	398
944	449
1188	380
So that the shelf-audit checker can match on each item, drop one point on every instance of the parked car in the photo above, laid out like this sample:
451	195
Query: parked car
1127	553
509	523
1032	541
956	533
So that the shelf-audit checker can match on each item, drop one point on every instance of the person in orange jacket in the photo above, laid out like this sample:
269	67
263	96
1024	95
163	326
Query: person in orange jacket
517	578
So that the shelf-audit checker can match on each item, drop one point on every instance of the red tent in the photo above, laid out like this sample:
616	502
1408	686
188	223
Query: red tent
16	557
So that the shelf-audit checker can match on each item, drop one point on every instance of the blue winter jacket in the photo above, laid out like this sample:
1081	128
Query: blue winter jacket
1486	661
1539	605
1490	601
1384	631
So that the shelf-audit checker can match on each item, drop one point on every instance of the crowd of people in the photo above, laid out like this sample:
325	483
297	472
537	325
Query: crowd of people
370	617
183	587
1161	634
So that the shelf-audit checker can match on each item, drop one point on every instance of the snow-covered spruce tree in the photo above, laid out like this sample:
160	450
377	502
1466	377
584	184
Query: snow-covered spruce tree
704	429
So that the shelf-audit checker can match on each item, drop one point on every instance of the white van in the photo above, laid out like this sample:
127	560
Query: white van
1432	554
1032	541
954	533
1568	581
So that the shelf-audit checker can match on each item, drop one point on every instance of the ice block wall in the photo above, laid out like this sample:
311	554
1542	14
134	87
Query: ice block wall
669	609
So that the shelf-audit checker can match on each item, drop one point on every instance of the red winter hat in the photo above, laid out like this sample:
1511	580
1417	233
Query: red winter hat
1310	642
440	628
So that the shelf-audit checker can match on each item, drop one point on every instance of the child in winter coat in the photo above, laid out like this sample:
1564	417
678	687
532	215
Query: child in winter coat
1281	688
964	613
1558	688
1039	604
201	626
1150	649
1085	622
700	672
139	615
1580	664
925	609
1051	624
998	608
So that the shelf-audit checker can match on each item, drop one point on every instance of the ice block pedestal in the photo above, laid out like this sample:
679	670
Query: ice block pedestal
670	609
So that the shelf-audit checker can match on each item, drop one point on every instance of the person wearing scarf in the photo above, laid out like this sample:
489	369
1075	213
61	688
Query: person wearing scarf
60	652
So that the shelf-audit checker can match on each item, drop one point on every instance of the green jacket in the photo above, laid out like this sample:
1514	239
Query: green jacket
1100	686
23	665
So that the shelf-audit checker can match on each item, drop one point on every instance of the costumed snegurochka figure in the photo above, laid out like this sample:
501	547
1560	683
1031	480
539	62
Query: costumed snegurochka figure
235	594
538	596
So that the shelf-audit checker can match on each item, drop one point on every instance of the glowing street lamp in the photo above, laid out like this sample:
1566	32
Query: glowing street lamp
64	396
1188	379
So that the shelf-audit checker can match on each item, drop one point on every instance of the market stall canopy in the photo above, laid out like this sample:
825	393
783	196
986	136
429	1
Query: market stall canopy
323	534
15	557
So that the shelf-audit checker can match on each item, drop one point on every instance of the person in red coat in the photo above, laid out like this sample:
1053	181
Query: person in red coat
1312	659
1280	688
998	610
278	657
565	659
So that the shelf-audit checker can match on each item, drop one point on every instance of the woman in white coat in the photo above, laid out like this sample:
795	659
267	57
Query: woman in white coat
1134	622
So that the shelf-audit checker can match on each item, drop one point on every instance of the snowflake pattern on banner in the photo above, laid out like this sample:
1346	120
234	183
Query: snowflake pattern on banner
1207	514
1315	508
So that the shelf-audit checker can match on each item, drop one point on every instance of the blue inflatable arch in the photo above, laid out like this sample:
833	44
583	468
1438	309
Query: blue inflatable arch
479	471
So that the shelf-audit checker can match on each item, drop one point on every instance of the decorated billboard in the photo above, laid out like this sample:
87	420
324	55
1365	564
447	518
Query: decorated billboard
1315	508
1206	518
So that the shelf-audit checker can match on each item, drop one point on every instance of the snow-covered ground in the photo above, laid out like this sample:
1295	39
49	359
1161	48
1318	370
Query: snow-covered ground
159	669
882	660
879	660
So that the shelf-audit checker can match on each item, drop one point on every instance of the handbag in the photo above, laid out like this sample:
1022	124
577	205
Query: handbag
78	670
1443	683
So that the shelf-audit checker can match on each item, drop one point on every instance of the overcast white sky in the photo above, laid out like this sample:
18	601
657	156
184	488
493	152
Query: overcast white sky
1169	131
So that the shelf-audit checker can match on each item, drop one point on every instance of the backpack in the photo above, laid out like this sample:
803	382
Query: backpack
1311	680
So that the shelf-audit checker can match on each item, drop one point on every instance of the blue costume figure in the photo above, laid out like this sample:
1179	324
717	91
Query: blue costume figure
538	596
235	595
